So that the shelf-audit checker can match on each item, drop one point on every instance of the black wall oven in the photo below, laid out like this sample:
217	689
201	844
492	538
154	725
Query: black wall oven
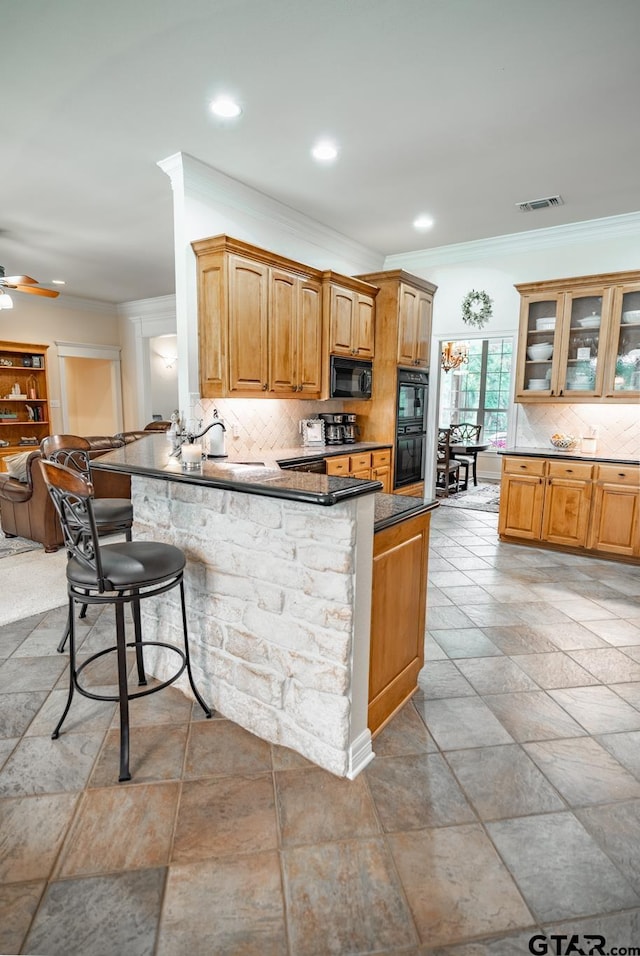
411	427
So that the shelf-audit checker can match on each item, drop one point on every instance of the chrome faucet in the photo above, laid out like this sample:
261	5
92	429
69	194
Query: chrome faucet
188	438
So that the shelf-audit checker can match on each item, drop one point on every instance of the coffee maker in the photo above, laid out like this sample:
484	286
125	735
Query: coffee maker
349	428
333	428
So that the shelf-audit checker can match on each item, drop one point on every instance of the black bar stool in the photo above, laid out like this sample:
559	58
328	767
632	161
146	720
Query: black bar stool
113	515
125	573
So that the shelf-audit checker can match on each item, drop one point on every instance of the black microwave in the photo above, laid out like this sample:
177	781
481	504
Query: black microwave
350	378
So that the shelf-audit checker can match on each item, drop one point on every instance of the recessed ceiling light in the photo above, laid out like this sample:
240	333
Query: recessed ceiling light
58	282
324	151
423	222
225	107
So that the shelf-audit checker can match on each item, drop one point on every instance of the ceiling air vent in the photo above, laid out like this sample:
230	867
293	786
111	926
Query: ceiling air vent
540	203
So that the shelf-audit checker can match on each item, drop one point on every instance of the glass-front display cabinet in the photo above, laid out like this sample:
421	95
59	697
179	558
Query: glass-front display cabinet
579	339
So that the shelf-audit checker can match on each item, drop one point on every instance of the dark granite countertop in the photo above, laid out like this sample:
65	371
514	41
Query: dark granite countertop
566	454
393	509
150	456
302	453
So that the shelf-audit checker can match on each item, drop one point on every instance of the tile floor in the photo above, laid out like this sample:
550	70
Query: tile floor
504	799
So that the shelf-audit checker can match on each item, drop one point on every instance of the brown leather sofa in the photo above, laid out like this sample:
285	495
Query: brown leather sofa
27	510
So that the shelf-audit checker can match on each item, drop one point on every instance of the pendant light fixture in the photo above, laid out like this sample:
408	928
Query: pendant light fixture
454	354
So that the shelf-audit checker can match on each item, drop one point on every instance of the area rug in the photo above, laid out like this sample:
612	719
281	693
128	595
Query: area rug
9	546
484	497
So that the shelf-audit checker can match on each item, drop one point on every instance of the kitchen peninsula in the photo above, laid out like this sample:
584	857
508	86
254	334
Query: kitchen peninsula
280	574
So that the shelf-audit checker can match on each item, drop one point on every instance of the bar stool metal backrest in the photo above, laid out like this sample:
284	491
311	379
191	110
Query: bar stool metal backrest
123	573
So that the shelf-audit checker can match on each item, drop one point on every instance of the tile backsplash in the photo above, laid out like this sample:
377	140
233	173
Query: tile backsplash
617	426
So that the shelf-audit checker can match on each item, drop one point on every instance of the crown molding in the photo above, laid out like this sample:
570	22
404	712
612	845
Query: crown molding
72	302
203	182
160	307
591	230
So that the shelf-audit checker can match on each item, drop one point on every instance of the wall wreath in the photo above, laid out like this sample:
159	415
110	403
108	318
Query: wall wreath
477	308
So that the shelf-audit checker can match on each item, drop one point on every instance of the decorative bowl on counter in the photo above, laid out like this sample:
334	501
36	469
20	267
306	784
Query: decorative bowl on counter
629	317
540	352
589	322
559	440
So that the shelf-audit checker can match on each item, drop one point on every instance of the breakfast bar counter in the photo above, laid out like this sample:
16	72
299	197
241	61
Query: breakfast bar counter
280	566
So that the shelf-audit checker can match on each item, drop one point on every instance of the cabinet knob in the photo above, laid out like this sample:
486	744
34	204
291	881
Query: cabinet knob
265	386
622	474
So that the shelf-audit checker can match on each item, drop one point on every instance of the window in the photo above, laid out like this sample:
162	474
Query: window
479	390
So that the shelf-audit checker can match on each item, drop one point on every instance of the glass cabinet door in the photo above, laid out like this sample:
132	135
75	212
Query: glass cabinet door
585	323
539	347
623	374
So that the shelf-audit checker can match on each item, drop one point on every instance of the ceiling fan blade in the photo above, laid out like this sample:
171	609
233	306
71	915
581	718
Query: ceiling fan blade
20	280
33	290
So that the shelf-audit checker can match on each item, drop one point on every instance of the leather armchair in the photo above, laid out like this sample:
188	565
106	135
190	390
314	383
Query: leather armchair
27	510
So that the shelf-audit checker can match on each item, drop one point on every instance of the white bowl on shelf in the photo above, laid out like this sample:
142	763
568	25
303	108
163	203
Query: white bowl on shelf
545	324
629	317
537	384
589	322
540	352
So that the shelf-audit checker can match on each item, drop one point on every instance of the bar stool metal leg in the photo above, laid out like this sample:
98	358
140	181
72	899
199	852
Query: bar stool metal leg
123	692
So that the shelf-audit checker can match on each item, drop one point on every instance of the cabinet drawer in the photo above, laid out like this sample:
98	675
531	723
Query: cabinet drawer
524	466
358	462
619	474
380	458
338	466
570	469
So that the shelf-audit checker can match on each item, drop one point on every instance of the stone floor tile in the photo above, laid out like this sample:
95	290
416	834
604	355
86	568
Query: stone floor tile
447	617
560	870
516	944
432	650
462	722
522	789
30	673
416	791
314	806
220	747
492	675
556	670
621	929
436	597
122	828
583	771
440	868
226	906
629	692
632	652
42	765
283	758
569	637
404	734
582	609
155	753
466	642
619	633
625	747
78	916
345	898
598	709
492	615
18	904
86	715
169	706
18	710
615	828
31	833
473	594
608	664
532	716
518	639
449	578
222	816
442	679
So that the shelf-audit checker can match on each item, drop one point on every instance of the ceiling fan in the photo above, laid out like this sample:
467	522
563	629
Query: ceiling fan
20	284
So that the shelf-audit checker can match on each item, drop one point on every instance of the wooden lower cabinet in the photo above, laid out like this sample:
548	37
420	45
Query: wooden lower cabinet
398	614
591	508
412	491
368	465
615	519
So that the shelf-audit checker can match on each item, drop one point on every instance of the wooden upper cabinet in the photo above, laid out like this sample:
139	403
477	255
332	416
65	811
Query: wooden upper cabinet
578	341
403	317
259	322
349	306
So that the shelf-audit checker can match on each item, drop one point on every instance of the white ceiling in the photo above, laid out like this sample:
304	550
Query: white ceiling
459	108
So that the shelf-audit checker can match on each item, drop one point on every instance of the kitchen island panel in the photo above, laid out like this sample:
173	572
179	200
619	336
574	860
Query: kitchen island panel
279	631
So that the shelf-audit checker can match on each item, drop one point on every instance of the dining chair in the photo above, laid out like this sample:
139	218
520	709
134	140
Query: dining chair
124	573
466	432
447	468
112	515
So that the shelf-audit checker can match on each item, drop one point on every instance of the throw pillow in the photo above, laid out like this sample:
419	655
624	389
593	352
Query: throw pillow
16	465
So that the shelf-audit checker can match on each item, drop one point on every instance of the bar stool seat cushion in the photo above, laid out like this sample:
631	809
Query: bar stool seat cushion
113	510
131	564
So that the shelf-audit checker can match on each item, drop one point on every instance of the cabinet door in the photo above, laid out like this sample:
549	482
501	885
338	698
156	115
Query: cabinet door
521	500
615	517
622	371
539	356
283	346
383	474
423	326
586	317
212	325
247	326
309	365
342	320
566	512
363	326
407	324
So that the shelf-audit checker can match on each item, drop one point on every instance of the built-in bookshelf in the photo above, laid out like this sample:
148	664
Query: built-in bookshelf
24	397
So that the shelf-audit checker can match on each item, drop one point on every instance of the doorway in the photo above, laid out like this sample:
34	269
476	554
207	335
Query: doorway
90	389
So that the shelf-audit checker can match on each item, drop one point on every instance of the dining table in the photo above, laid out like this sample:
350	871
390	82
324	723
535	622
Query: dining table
468	450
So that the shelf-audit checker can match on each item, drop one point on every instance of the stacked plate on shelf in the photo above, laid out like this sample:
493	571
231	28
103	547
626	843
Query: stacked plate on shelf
630	317
546	324
537	384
